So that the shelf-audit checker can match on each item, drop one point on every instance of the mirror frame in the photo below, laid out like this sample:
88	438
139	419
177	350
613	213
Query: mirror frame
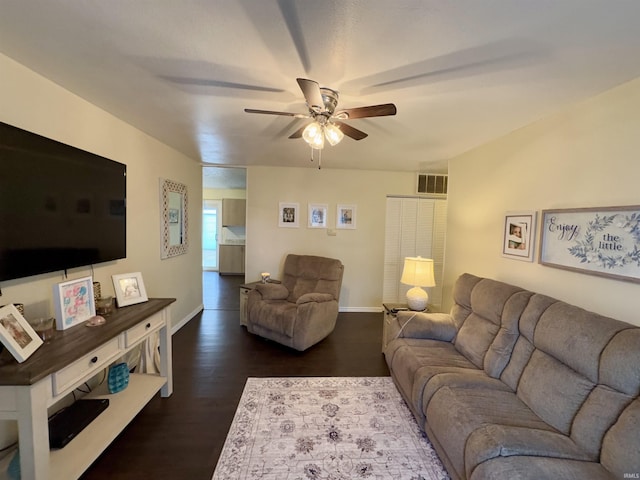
167	249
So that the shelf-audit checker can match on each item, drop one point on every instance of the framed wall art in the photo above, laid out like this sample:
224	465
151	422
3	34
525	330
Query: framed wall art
519	235
129	289
16	334
598	241
74	302
174	225
288	215
346	216
317	215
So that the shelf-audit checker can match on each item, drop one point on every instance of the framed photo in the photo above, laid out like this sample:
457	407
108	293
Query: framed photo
317	215
288	215
346	216
16	334
73	302
519	235
597	241
129	289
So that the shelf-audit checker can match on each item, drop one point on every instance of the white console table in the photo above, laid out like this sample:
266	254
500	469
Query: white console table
69	359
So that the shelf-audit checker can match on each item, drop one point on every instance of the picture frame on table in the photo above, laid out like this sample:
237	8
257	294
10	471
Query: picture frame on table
74	302
519	235
16	334
317	215
129	289
288	215
346	216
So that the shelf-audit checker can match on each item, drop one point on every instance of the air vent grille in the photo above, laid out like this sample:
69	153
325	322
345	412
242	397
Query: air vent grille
432	184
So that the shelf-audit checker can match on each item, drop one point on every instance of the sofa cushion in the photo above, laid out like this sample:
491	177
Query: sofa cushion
308	273
479	329
538	468
621	445
552	390
453	414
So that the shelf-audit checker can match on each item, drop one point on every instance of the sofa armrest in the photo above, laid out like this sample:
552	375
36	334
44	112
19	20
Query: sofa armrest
314	297
272	291
434	326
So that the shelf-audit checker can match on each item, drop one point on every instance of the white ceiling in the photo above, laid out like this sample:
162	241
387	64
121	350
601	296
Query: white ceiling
461	72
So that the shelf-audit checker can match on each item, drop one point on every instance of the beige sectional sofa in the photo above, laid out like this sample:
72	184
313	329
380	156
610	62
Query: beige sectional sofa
517	385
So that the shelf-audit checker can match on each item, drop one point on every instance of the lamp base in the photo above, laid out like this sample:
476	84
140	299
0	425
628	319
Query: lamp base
417	299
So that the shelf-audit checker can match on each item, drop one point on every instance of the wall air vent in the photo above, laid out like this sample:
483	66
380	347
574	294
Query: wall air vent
432	184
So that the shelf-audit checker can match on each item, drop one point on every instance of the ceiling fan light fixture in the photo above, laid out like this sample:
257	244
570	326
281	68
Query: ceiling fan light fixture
333	133
313	135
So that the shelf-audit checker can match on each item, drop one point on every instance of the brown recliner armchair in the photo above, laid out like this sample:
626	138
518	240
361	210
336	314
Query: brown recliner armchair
302	310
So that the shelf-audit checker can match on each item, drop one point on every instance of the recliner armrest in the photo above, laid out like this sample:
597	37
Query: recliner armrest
314	297
435	326
272	291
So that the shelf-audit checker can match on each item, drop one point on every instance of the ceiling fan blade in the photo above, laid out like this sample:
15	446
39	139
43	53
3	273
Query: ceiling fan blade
298	133
349	131
312	95
271	112
371	111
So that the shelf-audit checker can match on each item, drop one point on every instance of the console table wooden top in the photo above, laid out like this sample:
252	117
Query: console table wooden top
66	346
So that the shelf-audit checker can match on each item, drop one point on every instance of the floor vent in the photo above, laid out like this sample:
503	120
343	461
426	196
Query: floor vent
432	184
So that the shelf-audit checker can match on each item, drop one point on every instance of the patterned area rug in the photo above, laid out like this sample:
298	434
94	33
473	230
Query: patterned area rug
332	428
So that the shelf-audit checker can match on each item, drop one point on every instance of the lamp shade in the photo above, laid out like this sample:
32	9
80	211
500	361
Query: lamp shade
418	272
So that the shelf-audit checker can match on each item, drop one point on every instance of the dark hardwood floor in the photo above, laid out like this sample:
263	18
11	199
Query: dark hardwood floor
181	437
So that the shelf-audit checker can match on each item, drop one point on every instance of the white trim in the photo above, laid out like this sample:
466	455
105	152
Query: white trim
186	319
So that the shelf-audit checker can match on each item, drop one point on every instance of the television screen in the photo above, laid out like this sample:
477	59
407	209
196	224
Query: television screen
60	207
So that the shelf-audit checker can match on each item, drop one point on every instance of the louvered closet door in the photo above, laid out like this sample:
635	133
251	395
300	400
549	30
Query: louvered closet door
414	226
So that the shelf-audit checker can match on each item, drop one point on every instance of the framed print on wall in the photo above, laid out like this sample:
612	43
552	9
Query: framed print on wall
129	289
317	215
16	334
519	235
602	241
288	215
74	302
346	217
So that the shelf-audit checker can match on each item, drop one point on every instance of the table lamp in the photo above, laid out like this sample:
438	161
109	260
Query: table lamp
418	272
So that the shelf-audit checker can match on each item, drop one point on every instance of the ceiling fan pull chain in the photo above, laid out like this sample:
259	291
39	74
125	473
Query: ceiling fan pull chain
319	159
311	154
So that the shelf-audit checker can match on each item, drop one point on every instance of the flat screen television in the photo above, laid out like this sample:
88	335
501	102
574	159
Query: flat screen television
60	207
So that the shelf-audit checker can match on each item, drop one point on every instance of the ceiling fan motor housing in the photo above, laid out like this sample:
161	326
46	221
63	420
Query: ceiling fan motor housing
330	99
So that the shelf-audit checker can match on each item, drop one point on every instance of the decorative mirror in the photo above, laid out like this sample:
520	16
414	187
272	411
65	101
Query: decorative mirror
173	218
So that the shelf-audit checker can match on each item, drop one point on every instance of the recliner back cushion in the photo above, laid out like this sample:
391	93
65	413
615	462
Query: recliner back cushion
312	274
477	333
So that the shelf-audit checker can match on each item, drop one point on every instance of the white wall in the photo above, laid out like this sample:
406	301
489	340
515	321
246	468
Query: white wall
585	156
360	250
31	102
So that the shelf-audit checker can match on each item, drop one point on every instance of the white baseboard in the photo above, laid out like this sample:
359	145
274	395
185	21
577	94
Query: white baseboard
186	319
361	309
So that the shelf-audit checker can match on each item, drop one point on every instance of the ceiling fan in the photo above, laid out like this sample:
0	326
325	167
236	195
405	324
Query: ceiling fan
327	121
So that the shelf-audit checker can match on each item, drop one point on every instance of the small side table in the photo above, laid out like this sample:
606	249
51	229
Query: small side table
390	312
245	288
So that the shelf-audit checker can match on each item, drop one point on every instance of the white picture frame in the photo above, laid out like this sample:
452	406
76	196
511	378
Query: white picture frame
16	334
288	215
519	235
346	216
129	289
317	215
74	302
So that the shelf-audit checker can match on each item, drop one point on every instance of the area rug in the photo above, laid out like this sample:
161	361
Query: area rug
325	428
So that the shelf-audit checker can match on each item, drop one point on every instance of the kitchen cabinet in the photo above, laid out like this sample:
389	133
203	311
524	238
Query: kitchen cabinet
231	259
234	211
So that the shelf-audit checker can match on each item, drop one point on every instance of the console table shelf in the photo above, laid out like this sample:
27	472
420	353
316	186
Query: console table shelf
65	362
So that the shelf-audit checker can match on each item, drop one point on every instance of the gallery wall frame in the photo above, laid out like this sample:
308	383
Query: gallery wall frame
174	224
16	334
317	215
288	215
74	302
129	289
603	241
519	235
346	216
